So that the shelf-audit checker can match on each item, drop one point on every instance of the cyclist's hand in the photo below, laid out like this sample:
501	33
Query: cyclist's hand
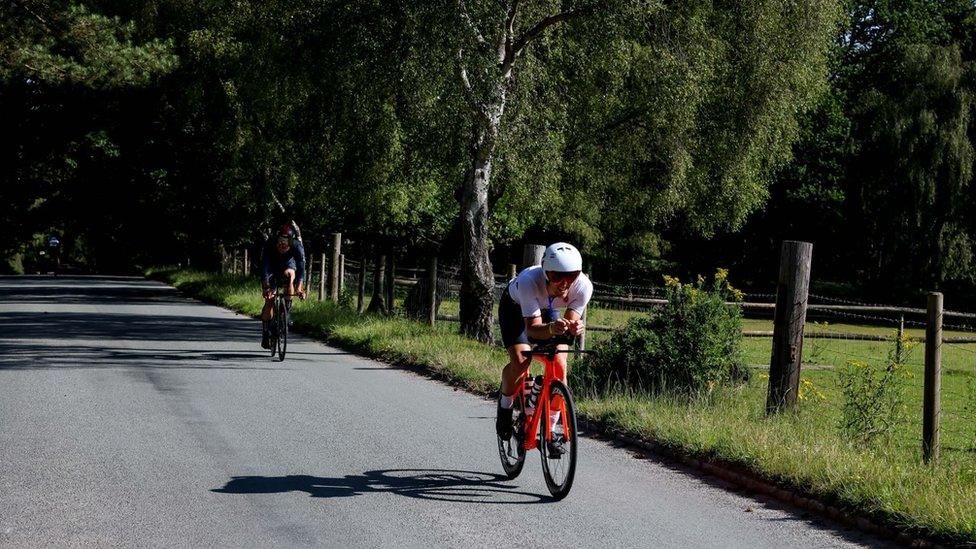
302	293
576	327
558	326
268	293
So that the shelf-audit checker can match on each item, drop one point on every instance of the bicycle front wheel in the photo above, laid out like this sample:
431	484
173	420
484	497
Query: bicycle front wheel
282	319
559	452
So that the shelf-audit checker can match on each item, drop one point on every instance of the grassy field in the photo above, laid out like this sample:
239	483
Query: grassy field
804	449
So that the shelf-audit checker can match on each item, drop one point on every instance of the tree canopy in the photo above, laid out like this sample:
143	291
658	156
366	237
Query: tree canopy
642	130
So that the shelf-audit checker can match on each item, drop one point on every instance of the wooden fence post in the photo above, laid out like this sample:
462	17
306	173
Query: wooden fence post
321	276
432	291
931	405
310	273
581	340
789	318
901	337
233	263
532	255
361	294
247	263
334	267
512	271
342	272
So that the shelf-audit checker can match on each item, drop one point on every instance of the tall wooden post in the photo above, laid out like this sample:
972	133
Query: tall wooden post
247	263
931	405
342	272
361	294
310	276
432	291
532	255
789	319
334	267
581	340
322	276
512	271
233	263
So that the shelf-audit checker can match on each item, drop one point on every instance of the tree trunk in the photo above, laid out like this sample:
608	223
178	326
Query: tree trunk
376	303
477	282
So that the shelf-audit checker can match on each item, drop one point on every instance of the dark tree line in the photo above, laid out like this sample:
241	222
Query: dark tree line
156	131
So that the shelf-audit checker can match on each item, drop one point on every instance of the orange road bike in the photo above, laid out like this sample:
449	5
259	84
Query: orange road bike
550	427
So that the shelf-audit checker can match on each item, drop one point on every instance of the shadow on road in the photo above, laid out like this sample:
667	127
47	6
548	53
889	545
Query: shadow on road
33	339
75	291
432	484
128	326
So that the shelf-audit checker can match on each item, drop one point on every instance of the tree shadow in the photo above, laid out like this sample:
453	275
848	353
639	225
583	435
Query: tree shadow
30	356
430	484
81	291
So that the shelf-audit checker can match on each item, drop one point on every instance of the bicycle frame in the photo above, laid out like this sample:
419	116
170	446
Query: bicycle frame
552	370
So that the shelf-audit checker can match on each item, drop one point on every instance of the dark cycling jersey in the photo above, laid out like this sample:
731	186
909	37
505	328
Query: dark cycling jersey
274	263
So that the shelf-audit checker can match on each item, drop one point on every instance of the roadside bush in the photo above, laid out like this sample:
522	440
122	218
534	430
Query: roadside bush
874	401
687	347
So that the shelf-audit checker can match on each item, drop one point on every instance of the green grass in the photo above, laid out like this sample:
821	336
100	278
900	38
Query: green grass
803	449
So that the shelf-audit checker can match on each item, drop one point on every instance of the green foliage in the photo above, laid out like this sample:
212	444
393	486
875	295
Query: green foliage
874	401
688	347
65	43
887	155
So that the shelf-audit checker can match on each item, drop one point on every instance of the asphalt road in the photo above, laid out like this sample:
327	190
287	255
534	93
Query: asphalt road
132	416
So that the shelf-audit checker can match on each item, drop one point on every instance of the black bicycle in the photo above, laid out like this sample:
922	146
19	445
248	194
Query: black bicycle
279	325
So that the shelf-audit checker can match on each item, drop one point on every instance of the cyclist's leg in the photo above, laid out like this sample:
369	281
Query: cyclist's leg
267	313
516	341
513	375
289	275
562	363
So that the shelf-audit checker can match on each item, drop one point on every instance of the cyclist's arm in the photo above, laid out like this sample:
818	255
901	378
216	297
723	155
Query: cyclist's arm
536	329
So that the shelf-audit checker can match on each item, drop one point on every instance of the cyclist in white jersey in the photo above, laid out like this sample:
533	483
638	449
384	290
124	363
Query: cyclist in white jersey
529	313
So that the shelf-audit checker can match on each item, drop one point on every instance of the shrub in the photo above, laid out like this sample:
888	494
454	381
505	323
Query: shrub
687	347
874	402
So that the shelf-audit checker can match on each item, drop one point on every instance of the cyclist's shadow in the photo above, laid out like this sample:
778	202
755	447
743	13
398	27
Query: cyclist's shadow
433	484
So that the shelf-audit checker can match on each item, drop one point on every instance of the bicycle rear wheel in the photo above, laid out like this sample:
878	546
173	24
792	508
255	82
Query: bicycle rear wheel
281	317
512	450
559	462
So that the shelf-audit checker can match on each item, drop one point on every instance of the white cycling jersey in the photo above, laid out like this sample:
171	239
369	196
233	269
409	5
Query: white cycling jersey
528	289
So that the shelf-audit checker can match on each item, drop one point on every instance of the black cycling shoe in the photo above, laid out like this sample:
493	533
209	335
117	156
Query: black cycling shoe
556	447
503	423
265	340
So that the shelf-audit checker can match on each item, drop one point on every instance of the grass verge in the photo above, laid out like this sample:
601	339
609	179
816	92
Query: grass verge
801	450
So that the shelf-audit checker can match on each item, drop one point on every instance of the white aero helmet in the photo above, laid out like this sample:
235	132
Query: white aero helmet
562	258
